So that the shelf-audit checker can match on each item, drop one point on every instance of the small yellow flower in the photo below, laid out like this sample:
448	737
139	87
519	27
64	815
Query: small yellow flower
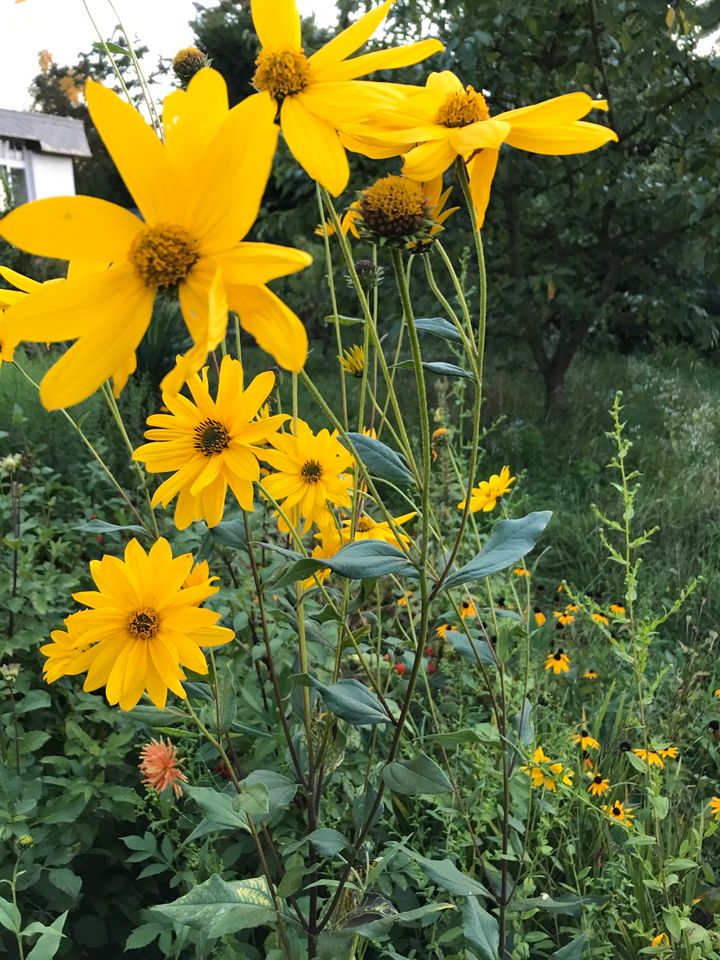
353	361
585	741
600	618
714	806
651	757
564	619
591	674
598	785
521	572
486	495
200	576
544	772
442	630
440	434
717	692
661	940
539	616
617	609
558	662
669	753
467	609
330	542
404	600
325	229
369	529
619	813
571	608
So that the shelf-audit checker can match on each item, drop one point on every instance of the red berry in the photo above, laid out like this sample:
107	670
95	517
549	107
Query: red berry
400	669
429	652
432	667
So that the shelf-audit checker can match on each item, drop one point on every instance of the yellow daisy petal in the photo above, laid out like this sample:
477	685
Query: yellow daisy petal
277	23
315	145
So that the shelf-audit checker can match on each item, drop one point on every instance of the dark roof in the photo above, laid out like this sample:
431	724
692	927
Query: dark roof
61	135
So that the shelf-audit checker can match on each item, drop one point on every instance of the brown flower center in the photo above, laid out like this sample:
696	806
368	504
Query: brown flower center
144	624
281	72
211	437
365	524
163	255
394	206
311	471
462	109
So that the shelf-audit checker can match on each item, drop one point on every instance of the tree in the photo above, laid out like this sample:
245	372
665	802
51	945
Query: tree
614	243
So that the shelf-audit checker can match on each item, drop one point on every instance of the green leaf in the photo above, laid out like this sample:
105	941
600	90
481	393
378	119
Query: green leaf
33	700
112	47
102	527
32	740
327	841
344	321
660	805
441	368
380	459
508	543
143	936
416	777
444	874
485	734
370	558
348	699
64	879
680	863
9	915
475	650
481	930
280	789
217	908
219	809
573	950
47	945
230	533
438	327
569	904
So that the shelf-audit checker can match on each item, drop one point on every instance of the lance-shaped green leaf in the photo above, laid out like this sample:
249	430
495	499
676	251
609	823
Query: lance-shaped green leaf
438	327
103	527
508	543
362	560
444	874
348	699
573	950
481	930
380	459
416	777
48	944
217	908
441	368
475	650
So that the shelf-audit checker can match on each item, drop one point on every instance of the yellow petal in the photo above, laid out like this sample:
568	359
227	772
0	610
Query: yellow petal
277	23
19	280
578	137
429	160
478	136
370	147
256	263
192	118
72	228
275	327
350	39
226	195
482	170
137	153
121	319
558	110
445	82
390	59
348	101
315	145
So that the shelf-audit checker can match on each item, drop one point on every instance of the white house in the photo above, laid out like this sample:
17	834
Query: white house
36	152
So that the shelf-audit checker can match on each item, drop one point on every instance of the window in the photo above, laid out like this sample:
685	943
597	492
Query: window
13	179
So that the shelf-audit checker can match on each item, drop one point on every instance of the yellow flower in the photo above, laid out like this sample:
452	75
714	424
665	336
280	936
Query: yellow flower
325	229
143	627
547	776
717	692
445	121
467	609
599	618
64	654
598	785
160	764
669	753
330	542
651	757
714	806
660	940
618	609
521	572
405	599
443	629
310	475
199	195
187	62
209	444
558	662
369	529
9	338
539	617
401	212
564	619
353	361
486	495
591	674
585	741
318	96
572	608
619	813
200	576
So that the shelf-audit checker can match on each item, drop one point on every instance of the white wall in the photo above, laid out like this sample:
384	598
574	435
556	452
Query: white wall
48	175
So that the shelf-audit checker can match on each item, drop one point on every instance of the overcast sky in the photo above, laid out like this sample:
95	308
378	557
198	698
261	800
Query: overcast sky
63	28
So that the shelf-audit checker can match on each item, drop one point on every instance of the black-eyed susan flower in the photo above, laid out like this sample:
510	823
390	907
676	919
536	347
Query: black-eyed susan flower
717	692
143	627
320	95
521	572
600	618
210	444
585	740
352	361
404	599
368	529
669	753
598	785
310	475
467	609
539	617
558	662
651	757
547	773
447	121
619	813
487	493
571	608
714	807
617	609
160	766
591	674
441	630
661	940
199	194
564	619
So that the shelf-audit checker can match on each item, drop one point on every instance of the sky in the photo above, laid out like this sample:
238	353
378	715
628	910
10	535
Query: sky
64	28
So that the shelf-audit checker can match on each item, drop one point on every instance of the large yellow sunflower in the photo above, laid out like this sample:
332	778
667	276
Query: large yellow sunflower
143	626
198	195
320	95
209	444
311	474
446	120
